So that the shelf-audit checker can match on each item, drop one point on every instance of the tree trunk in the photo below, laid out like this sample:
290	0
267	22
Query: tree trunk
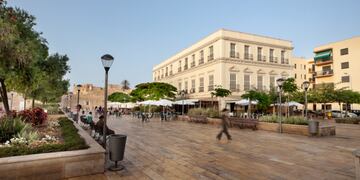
287	107
24	102
340	110
4	96
33	103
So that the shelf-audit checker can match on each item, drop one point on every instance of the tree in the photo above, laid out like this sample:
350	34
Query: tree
349	97
125	85
119	97
289	87
153	91
20	46
323	94
220	92
263	99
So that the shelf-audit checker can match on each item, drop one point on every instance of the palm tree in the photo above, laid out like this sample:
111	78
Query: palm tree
125	84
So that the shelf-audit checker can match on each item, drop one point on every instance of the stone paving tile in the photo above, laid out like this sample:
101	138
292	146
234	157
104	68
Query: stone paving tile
181	150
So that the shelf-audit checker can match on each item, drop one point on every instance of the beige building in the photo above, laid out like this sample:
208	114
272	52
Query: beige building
90	96
300	72
235	60
336	64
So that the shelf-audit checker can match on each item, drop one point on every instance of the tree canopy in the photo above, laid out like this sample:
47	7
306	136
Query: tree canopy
120	97
153	91
220	92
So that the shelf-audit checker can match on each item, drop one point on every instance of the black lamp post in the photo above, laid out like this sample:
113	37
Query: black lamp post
306	85
280	83
78	102
182	93
107	61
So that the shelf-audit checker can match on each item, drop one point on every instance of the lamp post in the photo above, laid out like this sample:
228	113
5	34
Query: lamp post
78	102
280	83
107	61
182	93
306	87
12	99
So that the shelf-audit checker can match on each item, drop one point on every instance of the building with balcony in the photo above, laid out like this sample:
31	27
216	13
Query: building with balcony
234	60
335	64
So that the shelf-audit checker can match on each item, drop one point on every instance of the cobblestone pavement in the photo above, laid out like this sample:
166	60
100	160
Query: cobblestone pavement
181	150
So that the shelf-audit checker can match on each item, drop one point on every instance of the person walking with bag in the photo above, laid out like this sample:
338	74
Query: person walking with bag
225	126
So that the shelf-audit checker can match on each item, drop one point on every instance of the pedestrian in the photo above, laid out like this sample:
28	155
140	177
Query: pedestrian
225	126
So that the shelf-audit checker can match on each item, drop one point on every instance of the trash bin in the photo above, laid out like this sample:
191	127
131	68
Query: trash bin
313	127
117	144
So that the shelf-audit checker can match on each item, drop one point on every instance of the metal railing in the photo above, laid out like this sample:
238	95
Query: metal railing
210	87
179	69
234	54
201	89
324	73
248	56
192	64
284	61
211	57
234	87
185	67
201	61
273	59
261	58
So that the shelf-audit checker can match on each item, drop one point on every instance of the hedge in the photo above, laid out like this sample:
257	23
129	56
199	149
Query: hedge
72	141
347	120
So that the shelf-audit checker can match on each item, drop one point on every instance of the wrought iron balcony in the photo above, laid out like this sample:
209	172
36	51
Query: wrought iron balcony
248	56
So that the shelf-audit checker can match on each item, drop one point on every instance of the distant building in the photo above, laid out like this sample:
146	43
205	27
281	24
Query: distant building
337	64
90	96
300	72
237	61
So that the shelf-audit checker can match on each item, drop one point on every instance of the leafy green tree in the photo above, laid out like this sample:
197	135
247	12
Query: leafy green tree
349	97
264	100
153	91
220	92
289	87
20	46
119	97
125	85
323	94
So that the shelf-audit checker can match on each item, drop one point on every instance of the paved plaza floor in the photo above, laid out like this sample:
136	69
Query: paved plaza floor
181	150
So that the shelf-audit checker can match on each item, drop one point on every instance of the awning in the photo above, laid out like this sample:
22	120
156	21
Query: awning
323	55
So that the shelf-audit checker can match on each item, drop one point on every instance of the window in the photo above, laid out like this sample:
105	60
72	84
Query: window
345	79
295	66
232	81
283	57
345	65
193	60
259	52
232	50
179	68
295	76
305	76
211	83
344	51
211	53
170	69
271	55
186	64
247	52
246	82
304	67
166	71
272	82
326	68
186	86
260	82
179	86
201	84
192	86
201	60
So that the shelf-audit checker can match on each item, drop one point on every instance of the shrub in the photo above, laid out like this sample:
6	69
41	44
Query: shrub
9	127
203	112
72	141
35	116
285	120
348	120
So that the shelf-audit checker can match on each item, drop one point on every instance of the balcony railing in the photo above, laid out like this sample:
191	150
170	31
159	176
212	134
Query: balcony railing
201	89
170	73
234	54
273	59
261	58
179	69
234	87
192	64
324	73
284	61
248	56
211	57
166	74
162	76
192	90
323	62
185	67
201	61
210	87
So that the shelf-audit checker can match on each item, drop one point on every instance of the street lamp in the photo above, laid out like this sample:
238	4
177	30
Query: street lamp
182	93
78	102
306	85
107	61
280	83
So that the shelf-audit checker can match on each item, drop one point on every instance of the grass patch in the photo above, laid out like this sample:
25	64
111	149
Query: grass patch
347	120
72	141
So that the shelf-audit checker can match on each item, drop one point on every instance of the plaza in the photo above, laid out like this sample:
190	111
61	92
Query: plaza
182	150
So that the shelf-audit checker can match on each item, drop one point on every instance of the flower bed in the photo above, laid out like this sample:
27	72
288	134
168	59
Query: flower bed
63	137
285	120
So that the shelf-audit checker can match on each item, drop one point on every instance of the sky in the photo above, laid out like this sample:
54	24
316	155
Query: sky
141	34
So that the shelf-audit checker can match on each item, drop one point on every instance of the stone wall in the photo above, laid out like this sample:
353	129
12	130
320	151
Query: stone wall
57	165
286	128
357	164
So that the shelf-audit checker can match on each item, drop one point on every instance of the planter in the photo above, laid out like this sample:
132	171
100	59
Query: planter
357	164
286	128
214	121
56	165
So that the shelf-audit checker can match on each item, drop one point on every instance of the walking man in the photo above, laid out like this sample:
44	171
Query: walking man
225	125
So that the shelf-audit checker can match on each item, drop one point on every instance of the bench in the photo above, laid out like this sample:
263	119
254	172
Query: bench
243	122
198	119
